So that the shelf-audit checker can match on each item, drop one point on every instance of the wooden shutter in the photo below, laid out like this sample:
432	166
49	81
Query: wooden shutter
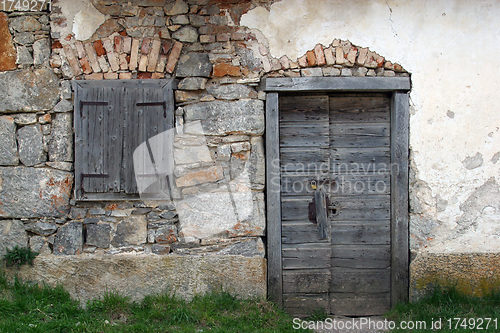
112	119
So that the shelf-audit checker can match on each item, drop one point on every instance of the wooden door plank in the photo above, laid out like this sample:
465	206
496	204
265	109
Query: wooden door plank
312	84
399	198
79	93
306	281
306	258
361	256
358	108
360	305
370	234
343	185
303	109
273	209
113	149
353	130
303	304
304	135
300	232
360	281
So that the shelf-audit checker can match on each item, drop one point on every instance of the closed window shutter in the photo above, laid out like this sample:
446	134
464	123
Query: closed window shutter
113	120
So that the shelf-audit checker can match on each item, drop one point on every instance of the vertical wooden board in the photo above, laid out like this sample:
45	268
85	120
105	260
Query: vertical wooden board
128	139
114	132
79	142
359	305
135	136
273	209
399	198
97	134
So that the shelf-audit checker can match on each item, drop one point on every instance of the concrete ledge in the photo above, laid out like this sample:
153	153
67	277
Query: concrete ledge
472	273
89	277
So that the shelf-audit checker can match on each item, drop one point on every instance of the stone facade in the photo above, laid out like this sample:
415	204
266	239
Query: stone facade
219	115
218	65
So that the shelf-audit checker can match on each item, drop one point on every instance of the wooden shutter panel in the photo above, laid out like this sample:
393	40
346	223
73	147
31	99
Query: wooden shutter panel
112	119
148	141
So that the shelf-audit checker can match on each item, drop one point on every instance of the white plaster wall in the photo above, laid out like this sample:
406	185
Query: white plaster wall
451	48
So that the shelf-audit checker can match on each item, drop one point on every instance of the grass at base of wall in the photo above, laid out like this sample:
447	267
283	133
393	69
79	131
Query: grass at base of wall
28	307
448	310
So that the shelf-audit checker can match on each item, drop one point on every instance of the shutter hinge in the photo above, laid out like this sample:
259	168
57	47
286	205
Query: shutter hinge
164	104
82	103
90	175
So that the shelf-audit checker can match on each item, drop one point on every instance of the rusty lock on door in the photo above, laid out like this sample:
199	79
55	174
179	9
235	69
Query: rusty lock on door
318	209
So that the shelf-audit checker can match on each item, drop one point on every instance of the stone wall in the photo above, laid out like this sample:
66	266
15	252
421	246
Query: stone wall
219	175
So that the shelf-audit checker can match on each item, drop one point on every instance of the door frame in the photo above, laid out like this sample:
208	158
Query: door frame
399	87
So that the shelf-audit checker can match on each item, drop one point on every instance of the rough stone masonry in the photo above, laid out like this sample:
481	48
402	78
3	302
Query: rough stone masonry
198	242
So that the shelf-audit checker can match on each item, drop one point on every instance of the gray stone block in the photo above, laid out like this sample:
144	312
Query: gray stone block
78	213
8	144
232	91
36	243
41	228
69	239
176	8
194	64
66	92
247	248
41	51
165	234
12	234
25	118
131	231
25	23
257	164
28	90
192	83
30	142
34	192
24	56
98	235
24	38
221	117
61	143
160	249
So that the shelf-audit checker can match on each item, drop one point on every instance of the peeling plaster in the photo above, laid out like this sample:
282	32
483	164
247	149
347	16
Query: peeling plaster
84	17
427	39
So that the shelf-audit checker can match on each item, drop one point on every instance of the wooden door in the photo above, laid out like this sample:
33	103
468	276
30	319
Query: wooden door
339	143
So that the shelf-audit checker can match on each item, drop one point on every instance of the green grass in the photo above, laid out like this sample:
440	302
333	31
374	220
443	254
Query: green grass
19	256
447	304
26	307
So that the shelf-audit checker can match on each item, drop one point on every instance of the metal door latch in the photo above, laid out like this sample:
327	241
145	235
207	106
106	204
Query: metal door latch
318	211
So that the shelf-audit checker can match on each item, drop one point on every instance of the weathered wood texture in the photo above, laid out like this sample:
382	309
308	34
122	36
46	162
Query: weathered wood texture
110	125
304	143
399	198
349	144
274	270
331	84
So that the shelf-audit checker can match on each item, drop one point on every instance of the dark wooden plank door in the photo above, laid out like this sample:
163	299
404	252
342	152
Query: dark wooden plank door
360	198
340	142
304	146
